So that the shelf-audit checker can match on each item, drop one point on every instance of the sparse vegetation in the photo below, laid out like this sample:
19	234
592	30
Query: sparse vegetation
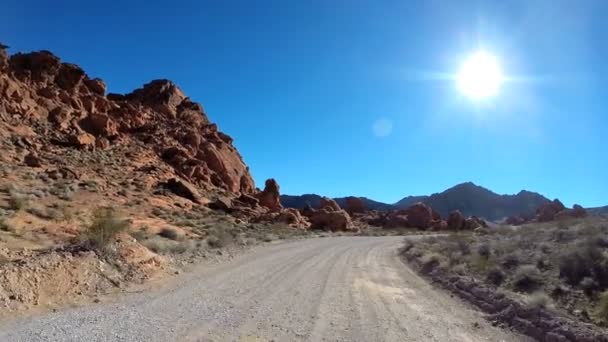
565	261
103	228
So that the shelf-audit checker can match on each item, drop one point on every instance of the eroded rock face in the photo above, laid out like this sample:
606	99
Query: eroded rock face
38	88
270	197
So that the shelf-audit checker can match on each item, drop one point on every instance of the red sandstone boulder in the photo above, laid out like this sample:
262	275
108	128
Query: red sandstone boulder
578	211
328	203
307	211
293	218
354	205
332	220
419	215
270	197
32	160
548	211
456	220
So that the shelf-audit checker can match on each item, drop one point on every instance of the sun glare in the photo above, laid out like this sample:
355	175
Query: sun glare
479	76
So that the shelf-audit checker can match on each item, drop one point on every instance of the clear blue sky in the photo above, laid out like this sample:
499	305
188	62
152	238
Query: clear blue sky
300	85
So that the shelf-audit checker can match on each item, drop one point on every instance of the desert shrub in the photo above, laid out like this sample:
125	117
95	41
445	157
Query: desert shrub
5	226
484	250
510	261
588	285
601	309
585	261
527	278
430	261
270	237
105	225
169	233
538	300
163	246
16	202
495	276
460	269
219	239
407	245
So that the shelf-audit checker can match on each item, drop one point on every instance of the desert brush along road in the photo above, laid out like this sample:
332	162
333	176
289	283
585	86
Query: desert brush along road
328	289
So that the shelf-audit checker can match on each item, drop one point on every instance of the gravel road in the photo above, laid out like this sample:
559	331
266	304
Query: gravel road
328	289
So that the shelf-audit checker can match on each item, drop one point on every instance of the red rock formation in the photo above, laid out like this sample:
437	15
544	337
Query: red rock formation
37	88
333	220
270	197
548	211
578	211
328	203
419	215
456	220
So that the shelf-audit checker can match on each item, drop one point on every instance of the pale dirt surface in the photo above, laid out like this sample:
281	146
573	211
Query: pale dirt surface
329	289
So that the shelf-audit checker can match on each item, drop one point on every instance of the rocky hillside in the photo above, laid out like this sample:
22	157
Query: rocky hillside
475	200
58	104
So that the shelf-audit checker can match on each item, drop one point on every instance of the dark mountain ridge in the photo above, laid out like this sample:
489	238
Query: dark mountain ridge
469	198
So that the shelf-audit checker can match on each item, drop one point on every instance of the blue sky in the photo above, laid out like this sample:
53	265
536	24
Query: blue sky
349	97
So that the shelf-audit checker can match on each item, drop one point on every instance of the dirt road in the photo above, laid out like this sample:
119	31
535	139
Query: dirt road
330	289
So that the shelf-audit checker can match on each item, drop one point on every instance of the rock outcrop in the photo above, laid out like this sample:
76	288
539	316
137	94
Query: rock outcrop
554	210
66	107
330	217
419	215
270	197
456	220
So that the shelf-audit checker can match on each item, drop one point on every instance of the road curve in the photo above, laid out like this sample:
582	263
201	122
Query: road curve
329	289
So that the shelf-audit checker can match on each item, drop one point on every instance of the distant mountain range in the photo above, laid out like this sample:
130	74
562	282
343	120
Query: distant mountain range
599	210
469	198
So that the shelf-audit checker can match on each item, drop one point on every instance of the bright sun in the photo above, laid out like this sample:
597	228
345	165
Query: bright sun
479	76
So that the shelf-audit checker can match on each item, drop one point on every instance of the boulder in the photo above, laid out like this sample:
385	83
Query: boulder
32	160
419	215
221	203
99	125
307	211
354	205
81	139
456	220
396	221
548	211
270	197
96	86
249	200
293	218
473	222
184	189
578	211
328	203
332	220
